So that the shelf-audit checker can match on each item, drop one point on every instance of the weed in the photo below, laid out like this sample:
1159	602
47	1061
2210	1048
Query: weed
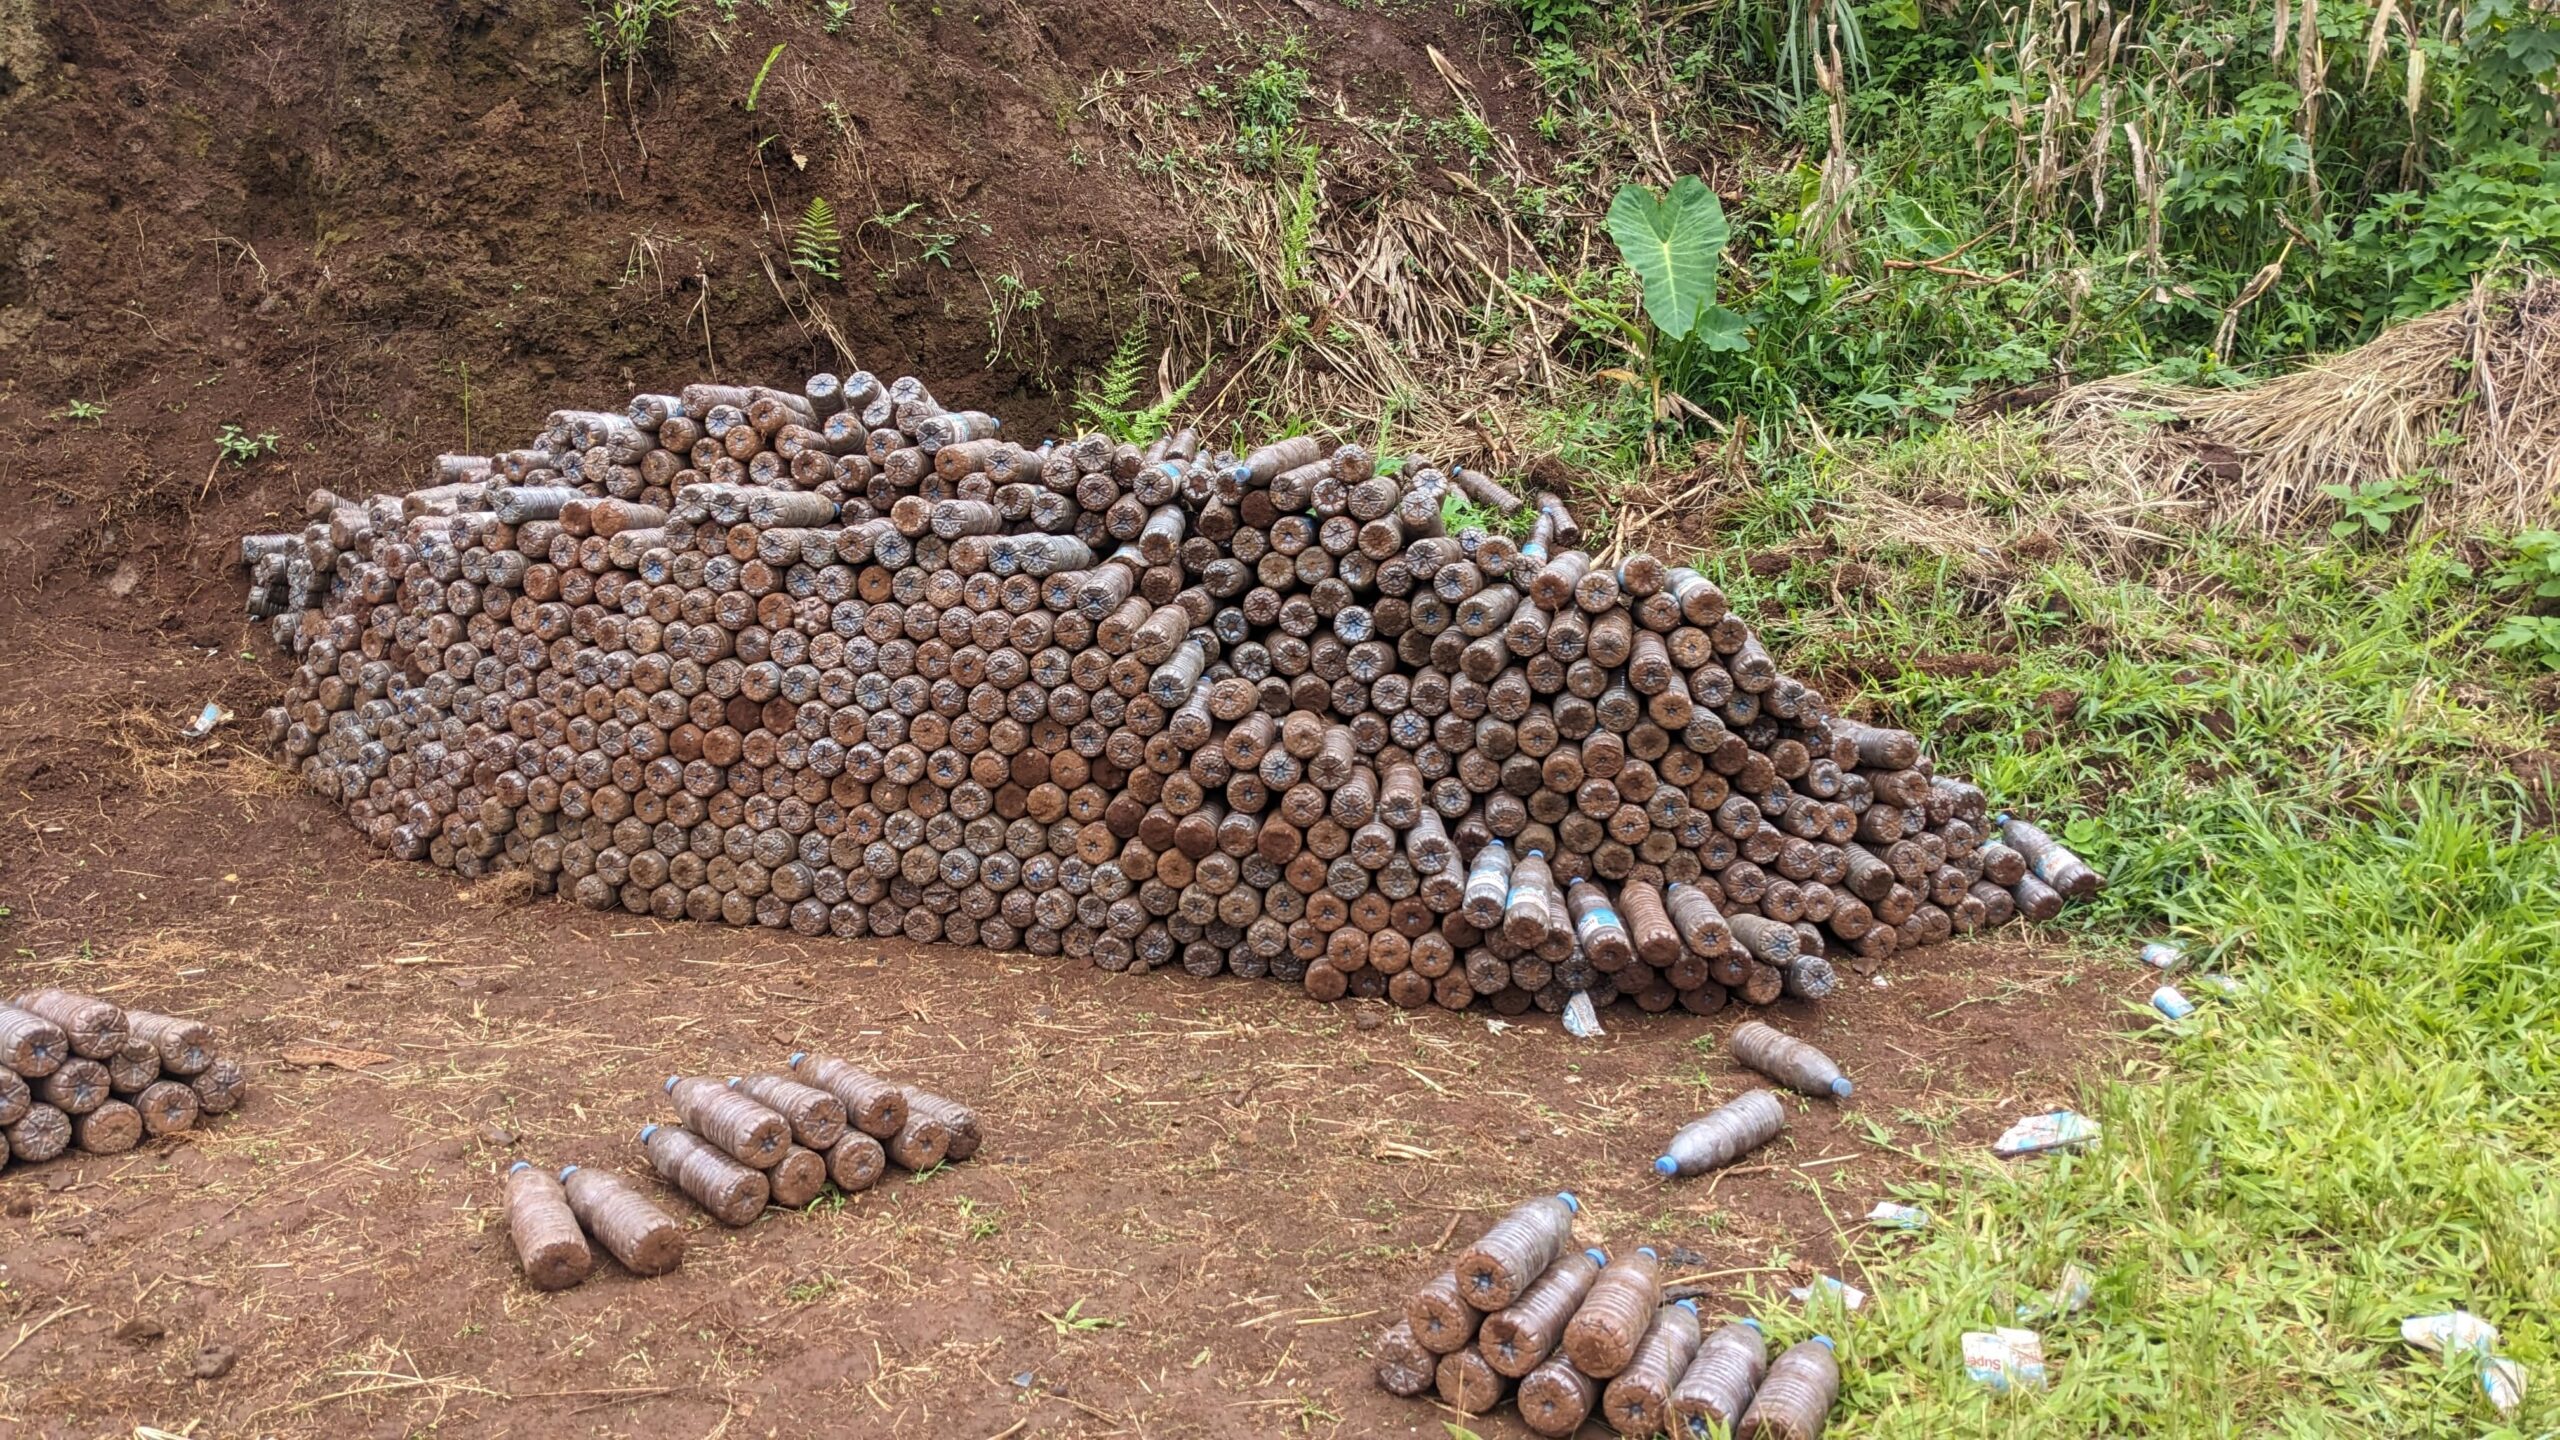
817	1287
983	1222
1076	1322
89	410
2372	507
239	447
627	32
835	14
815	242
756	88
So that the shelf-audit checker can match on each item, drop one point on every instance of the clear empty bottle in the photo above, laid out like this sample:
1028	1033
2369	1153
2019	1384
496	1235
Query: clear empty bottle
1469	1384
1722	1376
1556	1398
1725	1135
1441	1318
798	1177
1516	1250
1488	886
1638	1400
111	1129
817	1118
1795	1402
1404	1366
1787	1060
168	1107
959	1120
876	1107
646	1239
750	1133
549	1244
220	1085
185	1046
30	1045
1603	1335
1525	1332
855	1162
39	1135
729	1192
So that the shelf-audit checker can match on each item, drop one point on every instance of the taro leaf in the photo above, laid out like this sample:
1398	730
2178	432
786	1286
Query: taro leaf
1674	243
1721	329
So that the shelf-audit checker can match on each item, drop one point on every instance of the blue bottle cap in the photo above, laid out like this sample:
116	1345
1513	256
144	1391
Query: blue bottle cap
1689	1305
1841	1087
519	1165
796	1057
1665	1166
566	1171
1570	1203
670	1086
1649	1250
1747	1320
646	1131
1598	1255
1826	1342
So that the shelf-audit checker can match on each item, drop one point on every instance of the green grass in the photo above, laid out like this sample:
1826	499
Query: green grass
2285	756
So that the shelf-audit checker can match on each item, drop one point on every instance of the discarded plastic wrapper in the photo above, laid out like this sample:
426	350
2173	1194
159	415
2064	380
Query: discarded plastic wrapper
2162	954
2005	1359
2170	1003
1850	1296
2223	985
2459	1332
1898	1217
1580	1020
207	718
2053	1130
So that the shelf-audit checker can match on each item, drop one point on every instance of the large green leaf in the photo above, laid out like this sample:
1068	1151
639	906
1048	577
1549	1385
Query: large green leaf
1674	243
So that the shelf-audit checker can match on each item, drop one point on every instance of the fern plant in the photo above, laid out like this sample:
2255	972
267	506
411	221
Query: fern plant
816	242
1106	407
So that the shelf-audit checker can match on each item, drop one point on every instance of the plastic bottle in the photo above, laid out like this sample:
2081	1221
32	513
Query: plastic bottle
549	1244
1516	1250
876	1107
2036	900
751	1134
1528	910
646	1239
1603	1335
111	1129
15	1097
31	1045
1488	885
956	1118
40	1134
1441	1319
220	1085
921	1145
732	1193
1520	1335
1596	925
798	1177
1404	1367
1725	1135
2051	860
1721	1379
1795	1401
1810	977
135	1067
185	1046
855	1162
1469	1384
1556	1398
76	1087
817	1118
1638	1401
1787	1060
168	1107
96	1028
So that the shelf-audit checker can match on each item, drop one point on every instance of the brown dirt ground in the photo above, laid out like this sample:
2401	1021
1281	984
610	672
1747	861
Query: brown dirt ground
307	218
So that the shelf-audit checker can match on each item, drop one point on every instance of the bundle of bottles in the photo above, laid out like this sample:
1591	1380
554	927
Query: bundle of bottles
841	660
77	1072
1564	1332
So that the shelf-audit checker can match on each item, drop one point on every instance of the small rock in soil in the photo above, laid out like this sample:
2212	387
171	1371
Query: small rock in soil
213	1362
1369	1020
141	1330
497	1134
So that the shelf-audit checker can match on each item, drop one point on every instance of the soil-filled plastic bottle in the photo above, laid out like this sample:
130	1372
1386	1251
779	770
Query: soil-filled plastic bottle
1721	1379
1404	1367
39	1135
731	1193
1517	1250
750	1133
185	1046
76	1087
549	1244
1556	1397
1528	912
168	1107
817	1118
135	1067
855	1162
2035	899
1787	1060
30	1045
1725	1135
958	1119
798	1177
1488	886
1603	1335
646	1239
2051	860
220	1085
110	1129
97	1028
922	1143
1795	1401
15	1097
1518	1336
876	1107
1638	1401
1441	1318
1469	1384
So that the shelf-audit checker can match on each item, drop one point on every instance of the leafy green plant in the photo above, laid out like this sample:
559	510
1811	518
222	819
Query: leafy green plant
2373	506
1107	407
2532	639
1076	1322
239	447
835	14
1674	243
89	410
2533	569
626	32
1265	105
755	90
1555	19
815	241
